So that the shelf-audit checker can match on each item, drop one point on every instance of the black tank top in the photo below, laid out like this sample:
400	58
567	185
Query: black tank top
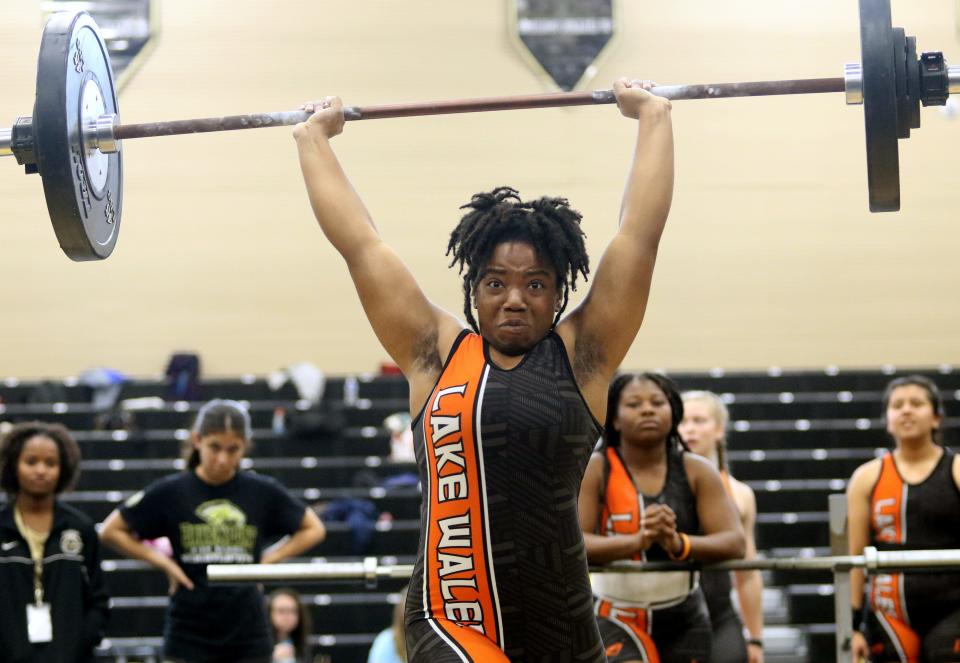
501	455
678	496
620	496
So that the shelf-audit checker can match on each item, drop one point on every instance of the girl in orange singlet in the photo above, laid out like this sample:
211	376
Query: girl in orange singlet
908	499
645	497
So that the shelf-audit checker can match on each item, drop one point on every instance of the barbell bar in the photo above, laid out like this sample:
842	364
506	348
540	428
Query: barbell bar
73	138
371	571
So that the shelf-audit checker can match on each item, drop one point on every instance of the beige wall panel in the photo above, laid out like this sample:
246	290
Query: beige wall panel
770	256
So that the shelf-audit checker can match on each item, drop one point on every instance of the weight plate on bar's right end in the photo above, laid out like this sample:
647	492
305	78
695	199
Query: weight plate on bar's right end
83	186
880	105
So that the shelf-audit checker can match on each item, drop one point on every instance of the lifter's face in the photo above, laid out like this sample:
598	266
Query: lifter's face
516	298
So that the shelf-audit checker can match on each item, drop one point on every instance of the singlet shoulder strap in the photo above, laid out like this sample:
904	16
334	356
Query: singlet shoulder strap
727	484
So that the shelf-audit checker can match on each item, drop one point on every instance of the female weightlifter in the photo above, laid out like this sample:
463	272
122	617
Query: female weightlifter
505	411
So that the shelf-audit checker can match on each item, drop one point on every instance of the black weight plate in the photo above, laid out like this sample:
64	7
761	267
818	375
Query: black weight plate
83	188
900	71
880	105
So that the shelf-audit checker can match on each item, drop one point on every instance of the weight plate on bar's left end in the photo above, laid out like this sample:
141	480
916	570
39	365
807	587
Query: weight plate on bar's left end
83	187
880	105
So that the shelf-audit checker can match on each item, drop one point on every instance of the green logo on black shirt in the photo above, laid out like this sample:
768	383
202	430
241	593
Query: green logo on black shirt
223	538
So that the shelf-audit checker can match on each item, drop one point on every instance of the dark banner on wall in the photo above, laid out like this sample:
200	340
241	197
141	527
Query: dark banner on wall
563	38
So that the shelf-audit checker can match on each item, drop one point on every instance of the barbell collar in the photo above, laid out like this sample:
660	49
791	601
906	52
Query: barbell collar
100	134
6	142
953	79
871	559
853	83
23	144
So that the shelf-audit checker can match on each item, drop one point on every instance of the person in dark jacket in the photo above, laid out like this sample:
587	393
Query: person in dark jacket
54	597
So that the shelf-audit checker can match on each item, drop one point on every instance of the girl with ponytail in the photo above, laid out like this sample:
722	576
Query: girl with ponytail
214	513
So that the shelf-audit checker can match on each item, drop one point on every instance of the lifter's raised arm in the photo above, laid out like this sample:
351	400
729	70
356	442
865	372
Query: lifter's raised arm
415	333
600	331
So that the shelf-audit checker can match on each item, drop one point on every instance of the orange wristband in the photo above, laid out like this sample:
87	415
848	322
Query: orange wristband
684	551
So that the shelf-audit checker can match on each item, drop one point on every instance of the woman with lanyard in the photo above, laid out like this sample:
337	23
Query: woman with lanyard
213	513
645	498
54	598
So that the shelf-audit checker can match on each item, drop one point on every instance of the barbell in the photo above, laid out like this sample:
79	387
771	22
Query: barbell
73	138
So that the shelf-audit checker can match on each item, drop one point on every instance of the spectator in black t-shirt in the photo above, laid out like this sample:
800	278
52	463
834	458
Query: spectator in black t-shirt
213	513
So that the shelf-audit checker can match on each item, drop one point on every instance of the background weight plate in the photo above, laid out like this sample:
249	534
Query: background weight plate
83	188
880	105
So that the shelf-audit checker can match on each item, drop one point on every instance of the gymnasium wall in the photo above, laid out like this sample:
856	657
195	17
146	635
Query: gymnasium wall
770	256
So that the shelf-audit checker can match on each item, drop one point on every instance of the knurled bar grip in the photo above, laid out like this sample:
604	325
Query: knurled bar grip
287	118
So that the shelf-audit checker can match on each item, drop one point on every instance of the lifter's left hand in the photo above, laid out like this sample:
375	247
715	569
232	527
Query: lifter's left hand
634	99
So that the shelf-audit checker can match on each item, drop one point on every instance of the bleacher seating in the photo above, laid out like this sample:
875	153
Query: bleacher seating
795	438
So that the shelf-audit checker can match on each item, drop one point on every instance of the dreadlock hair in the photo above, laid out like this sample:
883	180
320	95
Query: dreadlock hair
611	436
549	225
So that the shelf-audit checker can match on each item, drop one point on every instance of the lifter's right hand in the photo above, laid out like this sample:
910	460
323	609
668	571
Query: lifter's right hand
176	577
326	118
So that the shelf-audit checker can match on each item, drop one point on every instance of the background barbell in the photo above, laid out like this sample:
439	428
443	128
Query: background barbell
370	571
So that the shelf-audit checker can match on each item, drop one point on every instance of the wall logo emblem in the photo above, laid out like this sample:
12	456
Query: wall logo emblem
562	39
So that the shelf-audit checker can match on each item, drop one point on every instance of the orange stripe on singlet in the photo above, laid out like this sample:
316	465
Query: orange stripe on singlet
621	502
888	505
459	587
888	512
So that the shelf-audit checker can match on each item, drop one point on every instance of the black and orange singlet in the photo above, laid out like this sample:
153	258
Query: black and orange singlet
501	572
905	516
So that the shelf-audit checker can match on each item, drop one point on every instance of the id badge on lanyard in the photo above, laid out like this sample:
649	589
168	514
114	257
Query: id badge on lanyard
39	623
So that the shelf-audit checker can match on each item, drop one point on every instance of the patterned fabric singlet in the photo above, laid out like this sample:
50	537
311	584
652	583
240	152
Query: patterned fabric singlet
501	571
